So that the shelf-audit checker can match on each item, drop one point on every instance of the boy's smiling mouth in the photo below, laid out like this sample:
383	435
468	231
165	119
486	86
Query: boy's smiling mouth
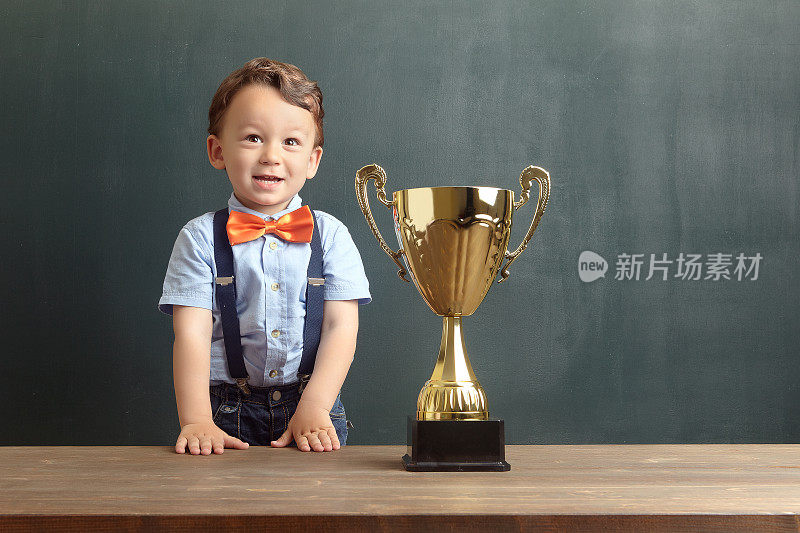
267	181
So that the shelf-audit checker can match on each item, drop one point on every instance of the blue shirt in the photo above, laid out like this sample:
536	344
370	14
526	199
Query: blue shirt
270	290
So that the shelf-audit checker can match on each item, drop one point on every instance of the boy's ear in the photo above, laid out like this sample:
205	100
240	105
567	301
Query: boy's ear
214	149
313	162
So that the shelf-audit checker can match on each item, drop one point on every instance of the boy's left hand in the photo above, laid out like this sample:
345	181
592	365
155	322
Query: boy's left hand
311	428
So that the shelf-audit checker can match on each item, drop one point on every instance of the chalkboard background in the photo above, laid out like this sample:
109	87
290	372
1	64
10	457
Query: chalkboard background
668	128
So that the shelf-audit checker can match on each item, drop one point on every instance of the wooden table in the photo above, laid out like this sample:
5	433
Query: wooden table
637	487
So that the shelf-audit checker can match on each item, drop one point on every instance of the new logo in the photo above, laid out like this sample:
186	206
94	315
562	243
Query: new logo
591	266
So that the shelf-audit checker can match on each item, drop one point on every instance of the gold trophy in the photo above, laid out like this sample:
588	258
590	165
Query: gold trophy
453	241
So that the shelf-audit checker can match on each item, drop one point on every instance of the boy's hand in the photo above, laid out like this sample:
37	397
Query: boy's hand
205	437
311	428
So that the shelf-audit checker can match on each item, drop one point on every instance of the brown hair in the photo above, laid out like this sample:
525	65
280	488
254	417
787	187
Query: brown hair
292	83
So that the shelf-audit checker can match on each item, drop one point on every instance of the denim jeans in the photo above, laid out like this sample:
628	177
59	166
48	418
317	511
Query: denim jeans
263	416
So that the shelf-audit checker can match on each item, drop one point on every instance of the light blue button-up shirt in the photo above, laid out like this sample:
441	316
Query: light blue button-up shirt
271	277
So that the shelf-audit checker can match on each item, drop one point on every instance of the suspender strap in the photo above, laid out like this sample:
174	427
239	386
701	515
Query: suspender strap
226	300
315	290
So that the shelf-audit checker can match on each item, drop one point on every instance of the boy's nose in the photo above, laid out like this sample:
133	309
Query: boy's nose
269	154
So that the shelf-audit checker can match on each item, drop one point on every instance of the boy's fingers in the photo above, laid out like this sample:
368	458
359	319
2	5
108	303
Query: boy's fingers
218	445
325	440
302	443
314	442
180	446
205	446
335	445
233	442
194	445
284	439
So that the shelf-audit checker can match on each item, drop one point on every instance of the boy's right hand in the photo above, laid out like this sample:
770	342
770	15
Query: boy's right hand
205	437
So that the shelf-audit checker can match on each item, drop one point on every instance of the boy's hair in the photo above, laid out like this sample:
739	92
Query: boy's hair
292	83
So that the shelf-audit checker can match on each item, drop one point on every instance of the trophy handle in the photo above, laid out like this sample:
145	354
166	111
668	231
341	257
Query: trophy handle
528	176
374	172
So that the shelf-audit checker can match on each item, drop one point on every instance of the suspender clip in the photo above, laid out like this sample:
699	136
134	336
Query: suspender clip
242	384
224	280
304	378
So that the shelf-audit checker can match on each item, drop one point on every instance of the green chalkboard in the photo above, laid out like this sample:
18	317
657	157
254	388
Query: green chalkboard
671	130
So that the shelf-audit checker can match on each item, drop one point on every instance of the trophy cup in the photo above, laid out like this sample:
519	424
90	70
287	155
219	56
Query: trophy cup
453	241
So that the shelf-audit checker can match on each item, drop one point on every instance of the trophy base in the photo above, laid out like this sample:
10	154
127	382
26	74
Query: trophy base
456	446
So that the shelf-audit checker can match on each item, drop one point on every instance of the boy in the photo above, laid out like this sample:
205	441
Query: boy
265	131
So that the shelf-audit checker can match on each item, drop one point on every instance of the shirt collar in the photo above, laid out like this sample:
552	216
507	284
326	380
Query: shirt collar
235	205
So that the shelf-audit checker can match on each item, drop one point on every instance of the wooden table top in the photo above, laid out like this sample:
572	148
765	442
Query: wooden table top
743	487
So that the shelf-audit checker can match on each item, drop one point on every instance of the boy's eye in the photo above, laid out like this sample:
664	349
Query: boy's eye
292	142
253	138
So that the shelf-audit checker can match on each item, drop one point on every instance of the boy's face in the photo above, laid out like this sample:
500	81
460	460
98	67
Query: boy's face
266	145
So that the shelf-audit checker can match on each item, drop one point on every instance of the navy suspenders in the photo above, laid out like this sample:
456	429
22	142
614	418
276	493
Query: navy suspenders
314	302
226	300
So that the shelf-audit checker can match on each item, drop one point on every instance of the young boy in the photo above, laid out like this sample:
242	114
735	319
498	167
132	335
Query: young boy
265	131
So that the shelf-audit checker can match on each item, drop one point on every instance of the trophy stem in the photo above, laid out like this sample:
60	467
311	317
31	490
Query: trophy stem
453	363
453	392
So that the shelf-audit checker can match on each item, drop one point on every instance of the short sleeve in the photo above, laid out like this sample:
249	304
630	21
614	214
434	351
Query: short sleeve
342	267
189	278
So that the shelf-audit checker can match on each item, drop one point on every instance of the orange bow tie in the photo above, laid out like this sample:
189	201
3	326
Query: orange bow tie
296	226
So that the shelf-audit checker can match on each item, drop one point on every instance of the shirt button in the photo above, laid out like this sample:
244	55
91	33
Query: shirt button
276	395
275	333
273	245
273	373
275	286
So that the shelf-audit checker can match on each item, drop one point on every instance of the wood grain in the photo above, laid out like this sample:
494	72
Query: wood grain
636	487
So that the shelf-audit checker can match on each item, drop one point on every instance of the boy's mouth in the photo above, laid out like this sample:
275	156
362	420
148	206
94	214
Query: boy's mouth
270	179
267	181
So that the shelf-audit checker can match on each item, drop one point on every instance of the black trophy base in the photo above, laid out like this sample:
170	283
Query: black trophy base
456	446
